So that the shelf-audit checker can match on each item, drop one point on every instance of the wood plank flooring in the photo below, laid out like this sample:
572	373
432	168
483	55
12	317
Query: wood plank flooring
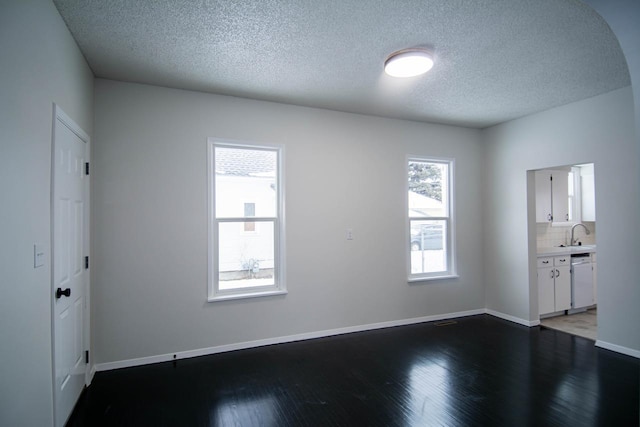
477	371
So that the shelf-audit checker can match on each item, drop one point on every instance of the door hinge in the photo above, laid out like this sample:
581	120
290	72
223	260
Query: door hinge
86	262
86	356
86	168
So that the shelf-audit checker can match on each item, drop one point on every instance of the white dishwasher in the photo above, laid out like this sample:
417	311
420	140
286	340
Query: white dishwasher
581	281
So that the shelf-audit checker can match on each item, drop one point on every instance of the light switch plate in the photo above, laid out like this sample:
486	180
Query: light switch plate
349	234
38	255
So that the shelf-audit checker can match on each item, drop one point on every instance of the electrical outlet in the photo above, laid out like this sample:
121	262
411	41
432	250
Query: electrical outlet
349	234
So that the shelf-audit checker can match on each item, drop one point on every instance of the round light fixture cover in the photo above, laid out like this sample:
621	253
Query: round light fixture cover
408	62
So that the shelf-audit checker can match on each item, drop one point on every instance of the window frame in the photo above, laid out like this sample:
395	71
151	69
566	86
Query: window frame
450	253
575	199
279	287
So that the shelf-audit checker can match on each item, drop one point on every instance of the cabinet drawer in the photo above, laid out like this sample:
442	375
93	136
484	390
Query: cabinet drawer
545	262
561	260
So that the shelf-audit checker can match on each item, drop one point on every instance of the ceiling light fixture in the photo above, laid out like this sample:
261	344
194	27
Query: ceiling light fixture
408	62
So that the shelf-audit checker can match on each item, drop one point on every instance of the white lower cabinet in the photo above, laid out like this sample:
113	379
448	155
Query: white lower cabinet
554	284
546	290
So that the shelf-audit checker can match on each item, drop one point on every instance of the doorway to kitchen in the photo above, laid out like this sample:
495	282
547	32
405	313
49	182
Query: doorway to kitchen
564	248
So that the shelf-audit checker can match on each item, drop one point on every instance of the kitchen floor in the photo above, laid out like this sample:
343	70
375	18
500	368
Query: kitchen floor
583	324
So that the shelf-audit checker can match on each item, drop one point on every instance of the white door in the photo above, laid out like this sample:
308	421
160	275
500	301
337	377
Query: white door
70	277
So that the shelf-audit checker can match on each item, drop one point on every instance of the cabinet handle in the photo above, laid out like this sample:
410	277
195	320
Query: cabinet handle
557	273
545	262
551	275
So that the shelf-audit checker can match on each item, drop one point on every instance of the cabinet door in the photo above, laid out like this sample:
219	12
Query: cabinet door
546	292
560	196
562	289
543	196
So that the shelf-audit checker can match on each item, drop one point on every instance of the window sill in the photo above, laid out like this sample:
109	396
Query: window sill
432	278
228	297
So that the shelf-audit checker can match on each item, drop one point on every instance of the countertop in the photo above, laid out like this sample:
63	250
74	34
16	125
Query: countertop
566	250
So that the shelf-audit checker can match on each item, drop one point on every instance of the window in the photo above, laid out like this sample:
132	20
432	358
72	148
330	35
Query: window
245	220
430	246
249	211
571	195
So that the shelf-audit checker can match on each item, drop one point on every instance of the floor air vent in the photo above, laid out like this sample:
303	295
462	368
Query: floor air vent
446	323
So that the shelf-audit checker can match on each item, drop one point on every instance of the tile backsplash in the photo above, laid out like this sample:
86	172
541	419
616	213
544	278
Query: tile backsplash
548	236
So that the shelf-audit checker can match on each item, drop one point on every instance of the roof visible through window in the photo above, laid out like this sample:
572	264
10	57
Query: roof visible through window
245	162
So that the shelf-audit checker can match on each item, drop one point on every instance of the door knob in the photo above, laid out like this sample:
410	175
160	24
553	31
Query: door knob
60	292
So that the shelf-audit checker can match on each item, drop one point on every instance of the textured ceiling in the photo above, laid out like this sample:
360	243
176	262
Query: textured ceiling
496	60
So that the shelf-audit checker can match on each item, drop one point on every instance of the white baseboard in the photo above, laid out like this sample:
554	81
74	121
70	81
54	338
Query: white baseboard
514	319
89	375
327	333
618	349
278	340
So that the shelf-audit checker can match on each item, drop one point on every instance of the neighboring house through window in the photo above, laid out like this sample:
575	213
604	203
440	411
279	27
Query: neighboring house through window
245	238
249	211
430	224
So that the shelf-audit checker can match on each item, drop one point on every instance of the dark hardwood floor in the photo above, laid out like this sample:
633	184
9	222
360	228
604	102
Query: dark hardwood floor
478	371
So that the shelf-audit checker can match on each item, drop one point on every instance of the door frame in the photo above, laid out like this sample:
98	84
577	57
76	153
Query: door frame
60	115
534	313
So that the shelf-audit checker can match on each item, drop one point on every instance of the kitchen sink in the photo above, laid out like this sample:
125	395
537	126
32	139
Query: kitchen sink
583	248
566	249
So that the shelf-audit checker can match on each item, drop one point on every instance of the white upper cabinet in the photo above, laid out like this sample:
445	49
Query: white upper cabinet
543	196
552	196
560	196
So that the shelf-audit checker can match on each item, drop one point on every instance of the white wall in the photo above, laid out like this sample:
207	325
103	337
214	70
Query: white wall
623	17
342	171
598	130
40	64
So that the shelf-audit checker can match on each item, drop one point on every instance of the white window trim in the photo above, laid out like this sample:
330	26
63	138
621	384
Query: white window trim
215	294
451	272
576	199
575	203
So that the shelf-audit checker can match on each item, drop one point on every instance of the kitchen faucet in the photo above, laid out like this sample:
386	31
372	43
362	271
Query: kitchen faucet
573	229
